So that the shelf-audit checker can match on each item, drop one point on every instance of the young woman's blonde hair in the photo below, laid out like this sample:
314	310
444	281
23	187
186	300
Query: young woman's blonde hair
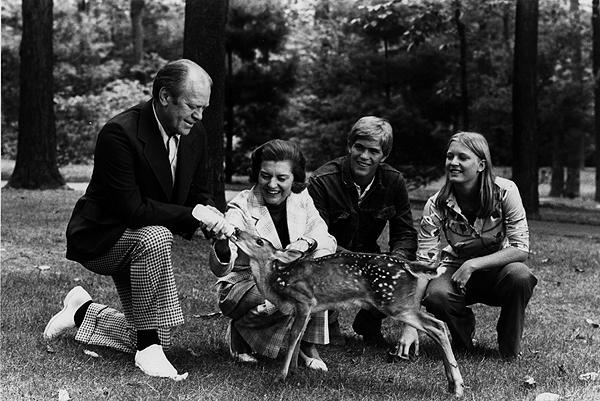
477	144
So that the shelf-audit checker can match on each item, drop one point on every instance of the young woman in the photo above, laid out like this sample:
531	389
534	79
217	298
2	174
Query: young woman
279	209
484	223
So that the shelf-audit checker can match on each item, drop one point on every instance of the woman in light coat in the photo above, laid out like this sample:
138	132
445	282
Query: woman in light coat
279	209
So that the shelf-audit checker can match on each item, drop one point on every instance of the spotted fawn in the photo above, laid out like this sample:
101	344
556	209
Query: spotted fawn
300	285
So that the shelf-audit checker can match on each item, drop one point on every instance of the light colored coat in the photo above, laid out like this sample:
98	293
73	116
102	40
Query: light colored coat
248	212
239	297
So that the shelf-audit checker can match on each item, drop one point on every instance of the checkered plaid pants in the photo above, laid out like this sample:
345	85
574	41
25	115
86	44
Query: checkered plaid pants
267	334
140	266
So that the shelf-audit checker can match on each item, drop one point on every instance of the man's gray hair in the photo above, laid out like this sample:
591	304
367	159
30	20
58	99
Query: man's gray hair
173	75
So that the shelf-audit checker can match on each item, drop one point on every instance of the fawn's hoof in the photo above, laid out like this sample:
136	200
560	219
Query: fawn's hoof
457	389
281	378
394	355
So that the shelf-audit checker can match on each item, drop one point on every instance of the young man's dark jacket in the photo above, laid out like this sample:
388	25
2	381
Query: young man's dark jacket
132	186
357	226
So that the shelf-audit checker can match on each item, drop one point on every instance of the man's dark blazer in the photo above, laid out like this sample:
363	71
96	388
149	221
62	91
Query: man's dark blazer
131	184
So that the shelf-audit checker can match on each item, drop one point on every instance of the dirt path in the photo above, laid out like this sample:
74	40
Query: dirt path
536	226
564	229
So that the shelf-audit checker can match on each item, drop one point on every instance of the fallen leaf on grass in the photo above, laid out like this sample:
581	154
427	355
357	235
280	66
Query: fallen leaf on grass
529	382
576	335
578	270
545	260
589	377
592	323
43	267
207	315
63	395
194	353
49	349
547	397
91	353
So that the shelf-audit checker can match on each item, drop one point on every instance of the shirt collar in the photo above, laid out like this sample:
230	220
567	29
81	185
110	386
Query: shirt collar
452	204
163	133
361	193
349	181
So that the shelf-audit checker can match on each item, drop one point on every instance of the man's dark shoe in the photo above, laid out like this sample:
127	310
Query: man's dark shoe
368	324
461	348
375	340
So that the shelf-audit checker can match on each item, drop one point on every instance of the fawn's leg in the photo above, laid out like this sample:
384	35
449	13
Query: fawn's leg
437	331
302	315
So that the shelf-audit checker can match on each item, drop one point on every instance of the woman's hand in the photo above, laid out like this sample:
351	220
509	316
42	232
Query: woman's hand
266	308
222	250
408	337
301	245
463	274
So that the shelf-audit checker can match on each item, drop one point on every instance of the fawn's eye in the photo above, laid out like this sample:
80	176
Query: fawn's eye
259	242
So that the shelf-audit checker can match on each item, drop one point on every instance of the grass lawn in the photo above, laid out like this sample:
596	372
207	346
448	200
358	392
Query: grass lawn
558	346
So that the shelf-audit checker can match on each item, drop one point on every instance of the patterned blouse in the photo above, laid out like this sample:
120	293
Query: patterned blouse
505	227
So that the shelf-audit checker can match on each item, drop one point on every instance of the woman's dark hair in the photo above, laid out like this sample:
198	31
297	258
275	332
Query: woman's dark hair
280	150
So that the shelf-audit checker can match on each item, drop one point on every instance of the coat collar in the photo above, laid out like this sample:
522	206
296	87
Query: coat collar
263	223
154	148
156	155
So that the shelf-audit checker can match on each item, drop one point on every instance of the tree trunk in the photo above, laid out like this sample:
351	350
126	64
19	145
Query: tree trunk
596	68
557	181
229	119
506	13
36	165
525	172
577	139
386	74
464	94
136	13
204	43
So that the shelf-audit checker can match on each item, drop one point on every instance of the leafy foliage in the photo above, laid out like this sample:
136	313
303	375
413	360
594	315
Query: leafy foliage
261	76
80	118
93	79
308	70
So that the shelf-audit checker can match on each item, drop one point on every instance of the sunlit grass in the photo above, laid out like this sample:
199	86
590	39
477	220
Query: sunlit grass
33	226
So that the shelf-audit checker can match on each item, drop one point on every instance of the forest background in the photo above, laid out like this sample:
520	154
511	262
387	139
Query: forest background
306	70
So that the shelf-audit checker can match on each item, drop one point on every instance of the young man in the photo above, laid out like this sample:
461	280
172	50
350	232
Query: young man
357	195
147	184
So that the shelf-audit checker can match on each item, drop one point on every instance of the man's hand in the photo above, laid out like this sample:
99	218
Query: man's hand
213	221
408	337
